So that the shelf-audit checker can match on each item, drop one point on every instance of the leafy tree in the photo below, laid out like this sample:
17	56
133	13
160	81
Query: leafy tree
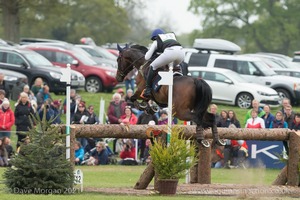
266	25
41	166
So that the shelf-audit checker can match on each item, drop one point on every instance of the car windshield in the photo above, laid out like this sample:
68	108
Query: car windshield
106	53
36	59
264	68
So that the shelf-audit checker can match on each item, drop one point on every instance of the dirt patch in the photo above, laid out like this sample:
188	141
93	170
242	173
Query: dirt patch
210	190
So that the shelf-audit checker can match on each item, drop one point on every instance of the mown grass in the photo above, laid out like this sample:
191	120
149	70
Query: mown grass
116	176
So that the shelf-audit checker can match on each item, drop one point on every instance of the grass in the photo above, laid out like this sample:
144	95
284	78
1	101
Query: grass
126	176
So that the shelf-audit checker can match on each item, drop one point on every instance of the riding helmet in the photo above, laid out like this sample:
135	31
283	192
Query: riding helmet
156	32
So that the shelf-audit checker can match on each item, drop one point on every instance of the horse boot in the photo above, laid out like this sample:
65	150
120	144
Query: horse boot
216	139
147	92
200	137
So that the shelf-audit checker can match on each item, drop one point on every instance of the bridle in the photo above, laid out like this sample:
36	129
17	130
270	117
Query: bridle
128	68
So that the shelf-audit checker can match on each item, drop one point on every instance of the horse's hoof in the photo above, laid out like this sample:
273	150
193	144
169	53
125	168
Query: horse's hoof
143	105
221	142
205	143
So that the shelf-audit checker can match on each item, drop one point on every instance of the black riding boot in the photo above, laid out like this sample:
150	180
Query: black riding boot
147	92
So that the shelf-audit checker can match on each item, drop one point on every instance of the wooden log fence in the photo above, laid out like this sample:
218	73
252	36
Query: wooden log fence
201	173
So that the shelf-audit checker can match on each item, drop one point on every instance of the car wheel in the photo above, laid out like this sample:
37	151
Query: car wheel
283	93
244	100
93	84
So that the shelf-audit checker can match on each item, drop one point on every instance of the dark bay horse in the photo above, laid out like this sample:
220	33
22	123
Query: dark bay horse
191	96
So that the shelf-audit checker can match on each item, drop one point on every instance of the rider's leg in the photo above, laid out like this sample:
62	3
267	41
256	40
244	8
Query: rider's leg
147	92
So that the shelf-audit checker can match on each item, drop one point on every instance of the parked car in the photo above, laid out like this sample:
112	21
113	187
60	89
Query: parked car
98	77
232	89
33	65
296	57
100	55
250	68
13	78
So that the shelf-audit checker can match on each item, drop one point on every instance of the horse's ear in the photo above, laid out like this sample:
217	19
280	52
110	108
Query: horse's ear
119	48
126	46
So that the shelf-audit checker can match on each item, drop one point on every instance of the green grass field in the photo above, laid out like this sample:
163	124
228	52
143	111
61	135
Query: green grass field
123	176
126	176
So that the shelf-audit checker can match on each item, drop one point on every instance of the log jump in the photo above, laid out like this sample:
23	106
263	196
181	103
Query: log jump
200	173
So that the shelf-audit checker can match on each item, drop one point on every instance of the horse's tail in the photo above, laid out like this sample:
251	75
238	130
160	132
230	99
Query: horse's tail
203	99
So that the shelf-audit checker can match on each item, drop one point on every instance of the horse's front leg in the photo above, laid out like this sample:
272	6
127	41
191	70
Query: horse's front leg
200	136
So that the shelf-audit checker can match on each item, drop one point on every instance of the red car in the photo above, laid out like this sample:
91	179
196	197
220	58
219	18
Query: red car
98	78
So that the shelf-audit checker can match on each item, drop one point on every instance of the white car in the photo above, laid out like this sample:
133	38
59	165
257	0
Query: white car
230	88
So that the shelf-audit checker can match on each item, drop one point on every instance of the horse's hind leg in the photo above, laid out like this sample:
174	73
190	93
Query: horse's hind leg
209	121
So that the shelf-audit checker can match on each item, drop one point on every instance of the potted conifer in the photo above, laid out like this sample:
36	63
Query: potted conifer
172	162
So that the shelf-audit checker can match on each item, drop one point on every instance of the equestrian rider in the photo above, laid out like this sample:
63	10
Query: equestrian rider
171	53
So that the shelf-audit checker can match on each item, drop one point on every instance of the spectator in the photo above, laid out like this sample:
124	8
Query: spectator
255	106
98	156
236	154
130	79
43	95
217	156
129	94
37	86
2	96
79	153
267	117
81	117
7	119
128	154
284	102
3	155
233	119
121	92
296	123
31	95
4	86
49	111
145	118
214	110
7	143
278	122
93	119
23	111
55	106
255	121
73	103
224	121
116	109
128	117
289	115
146	158
163	119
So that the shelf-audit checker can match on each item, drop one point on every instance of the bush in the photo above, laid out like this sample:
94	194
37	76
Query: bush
41	166
172	162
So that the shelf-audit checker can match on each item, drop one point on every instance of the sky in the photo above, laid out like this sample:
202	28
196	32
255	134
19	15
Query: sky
174	11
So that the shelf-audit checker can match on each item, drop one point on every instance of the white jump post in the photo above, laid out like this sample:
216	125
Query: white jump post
167	79
66	77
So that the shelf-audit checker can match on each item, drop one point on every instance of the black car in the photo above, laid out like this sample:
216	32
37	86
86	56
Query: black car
33	65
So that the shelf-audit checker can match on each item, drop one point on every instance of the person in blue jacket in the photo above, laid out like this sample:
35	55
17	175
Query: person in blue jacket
79	153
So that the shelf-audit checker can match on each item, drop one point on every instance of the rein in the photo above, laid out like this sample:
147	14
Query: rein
128	67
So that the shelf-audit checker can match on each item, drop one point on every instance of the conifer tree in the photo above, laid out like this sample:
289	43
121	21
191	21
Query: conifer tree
41	166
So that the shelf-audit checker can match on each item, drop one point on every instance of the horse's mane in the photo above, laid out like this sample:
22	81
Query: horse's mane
140	47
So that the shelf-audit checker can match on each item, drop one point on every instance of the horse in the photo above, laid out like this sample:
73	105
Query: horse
191	96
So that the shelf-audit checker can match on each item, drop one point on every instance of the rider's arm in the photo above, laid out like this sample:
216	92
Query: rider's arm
152	49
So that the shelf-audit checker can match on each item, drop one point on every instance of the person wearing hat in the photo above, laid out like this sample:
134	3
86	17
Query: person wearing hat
171	53
55	106
121	92
7	119
4	86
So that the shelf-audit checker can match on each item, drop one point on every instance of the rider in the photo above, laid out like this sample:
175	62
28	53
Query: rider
171	52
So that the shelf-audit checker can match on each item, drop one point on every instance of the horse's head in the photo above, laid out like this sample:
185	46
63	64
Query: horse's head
127	60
